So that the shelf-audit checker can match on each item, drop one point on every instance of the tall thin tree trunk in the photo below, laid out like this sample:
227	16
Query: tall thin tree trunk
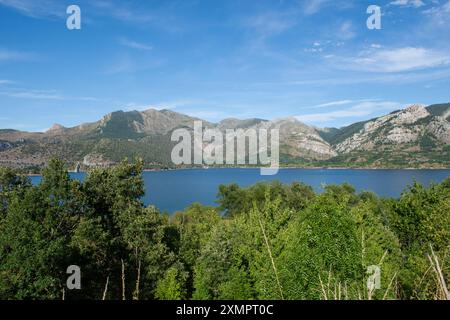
136	292
123	280
106	289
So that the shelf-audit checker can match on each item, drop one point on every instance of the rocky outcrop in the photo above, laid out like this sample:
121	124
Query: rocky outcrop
296	138
402	135
56	128
408	115
440	128
404	127
303	141
96	160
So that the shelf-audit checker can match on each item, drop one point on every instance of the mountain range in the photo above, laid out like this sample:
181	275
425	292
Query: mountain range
416	137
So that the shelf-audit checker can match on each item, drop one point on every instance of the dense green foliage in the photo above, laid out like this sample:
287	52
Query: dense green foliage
268	241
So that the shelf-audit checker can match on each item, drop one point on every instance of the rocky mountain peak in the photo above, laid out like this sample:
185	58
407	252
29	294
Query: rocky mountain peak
411	114
56	127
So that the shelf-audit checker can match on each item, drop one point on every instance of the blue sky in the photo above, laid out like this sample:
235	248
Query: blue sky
214	59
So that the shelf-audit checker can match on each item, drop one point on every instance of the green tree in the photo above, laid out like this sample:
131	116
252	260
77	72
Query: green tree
35	236
120	233
10	182
421	220
173	285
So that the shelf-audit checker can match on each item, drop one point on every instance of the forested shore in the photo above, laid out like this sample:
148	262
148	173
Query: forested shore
268	241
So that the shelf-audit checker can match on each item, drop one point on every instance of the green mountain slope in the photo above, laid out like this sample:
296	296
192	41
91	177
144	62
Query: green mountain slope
413	137
441	110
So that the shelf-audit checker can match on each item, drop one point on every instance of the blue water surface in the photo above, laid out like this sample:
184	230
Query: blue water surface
175	190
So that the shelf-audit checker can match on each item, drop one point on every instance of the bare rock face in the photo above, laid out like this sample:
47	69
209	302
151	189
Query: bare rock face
402	135
410	114
296	138
440	128
303	141
393	129
96	160
56	128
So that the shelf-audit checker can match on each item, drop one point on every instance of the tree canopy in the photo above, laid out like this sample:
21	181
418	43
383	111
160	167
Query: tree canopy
267	241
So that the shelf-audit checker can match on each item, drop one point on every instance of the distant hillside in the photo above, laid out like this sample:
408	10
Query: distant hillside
441	110
413	137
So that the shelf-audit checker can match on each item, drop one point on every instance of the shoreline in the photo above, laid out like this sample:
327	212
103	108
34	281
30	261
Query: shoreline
281	168
302	168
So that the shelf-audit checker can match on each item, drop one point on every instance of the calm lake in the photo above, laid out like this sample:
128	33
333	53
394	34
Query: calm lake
175	190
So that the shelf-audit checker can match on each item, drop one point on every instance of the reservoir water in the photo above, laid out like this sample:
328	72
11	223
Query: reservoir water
175	190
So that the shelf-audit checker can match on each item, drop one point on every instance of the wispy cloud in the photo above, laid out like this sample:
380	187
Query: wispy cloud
439	14
351	79
408	3
31	94
37	8
313	6
12	55
124	11
121	12
398	60
338	103
359	110
272	22
6	82
134	44
122	64
128	63
346	31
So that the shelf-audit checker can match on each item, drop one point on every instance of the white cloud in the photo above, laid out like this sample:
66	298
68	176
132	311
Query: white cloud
32	94
398	60
134	44
408	3
363	109
338	103
313	50
11	55
271	23
346	31
439	15
128	63
37	8
330	116
119	11
314	6
19	93
5	82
